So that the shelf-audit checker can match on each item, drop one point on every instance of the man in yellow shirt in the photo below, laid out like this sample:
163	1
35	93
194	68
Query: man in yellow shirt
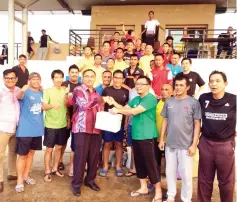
87	61
166	93
145	60
98	69
119	62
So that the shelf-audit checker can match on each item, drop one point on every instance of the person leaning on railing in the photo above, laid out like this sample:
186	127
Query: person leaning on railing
226	45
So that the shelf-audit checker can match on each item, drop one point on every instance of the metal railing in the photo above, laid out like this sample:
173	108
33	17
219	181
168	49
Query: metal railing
17	51
203	41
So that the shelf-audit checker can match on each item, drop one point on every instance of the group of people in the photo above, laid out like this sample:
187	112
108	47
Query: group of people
162	115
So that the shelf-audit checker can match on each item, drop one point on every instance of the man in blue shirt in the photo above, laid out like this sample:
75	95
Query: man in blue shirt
30	129
174	66
106	78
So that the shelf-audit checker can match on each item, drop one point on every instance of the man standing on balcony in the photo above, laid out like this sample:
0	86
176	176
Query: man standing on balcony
30	41
21	71
44	45
150	29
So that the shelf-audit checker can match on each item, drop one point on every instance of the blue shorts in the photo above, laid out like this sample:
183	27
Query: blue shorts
129	138
114	137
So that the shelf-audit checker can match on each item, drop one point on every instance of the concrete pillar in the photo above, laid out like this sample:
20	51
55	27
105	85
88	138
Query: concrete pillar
11	32
24	30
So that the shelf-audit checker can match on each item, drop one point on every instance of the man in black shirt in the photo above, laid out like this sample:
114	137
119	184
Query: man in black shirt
72	83
44	45
130	51
129	73
30	41
217	143
225	45
194	78
120	95
22	72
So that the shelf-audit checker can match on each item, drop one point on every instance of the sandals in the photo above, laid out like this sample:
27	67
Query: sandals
20	188
30	181
119	173
61	166
136	193
48	177
130	174
157	200
103	173
58	173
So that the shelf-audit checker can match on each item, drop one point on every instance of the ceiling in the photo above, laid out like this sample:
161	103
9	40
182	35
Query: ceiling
54	5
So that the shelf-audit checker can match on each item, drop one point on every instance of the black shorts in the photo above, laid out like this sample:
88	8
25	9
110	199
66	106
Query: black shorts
29	49
25	144
68	133
54	137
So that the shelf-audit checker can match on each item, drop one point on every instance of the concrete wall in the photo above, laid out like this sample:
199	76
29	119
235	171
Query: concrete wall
199	14
51	55
203	66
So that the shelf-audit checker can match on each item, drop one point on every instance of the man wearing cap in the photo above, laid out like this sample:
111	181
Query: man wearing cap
130	72
44	44
30	129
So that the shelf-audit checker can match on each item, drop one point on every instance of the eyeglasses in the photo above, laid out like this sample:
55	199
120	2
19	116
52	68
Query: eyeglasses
10	78
119	78
141	84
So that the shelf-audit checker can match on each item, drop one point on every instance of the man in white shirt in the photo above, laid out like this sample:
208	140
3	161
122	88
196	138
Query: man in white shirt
150	29
9	116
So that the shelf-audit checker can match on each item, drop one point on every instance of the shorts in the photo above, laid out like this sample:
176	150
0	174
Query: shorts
54	137
129	138
68	133
29	49
114	137
72	142
25	144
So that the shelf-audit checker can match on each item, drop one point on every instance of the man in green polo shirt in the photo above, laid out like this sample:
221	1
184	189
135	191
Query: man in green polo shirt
54	105
144	130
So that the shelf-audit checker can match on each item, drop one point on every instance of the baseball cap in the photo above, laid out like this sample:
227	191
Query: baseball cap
34	74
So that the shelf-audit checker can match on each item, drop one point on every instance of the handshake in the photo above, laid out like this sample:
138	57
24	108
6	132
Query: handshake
109	100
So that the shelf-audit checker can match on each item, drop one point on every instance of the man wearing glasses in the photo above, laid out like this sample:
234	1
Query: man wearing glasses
120	95
9	116
143	109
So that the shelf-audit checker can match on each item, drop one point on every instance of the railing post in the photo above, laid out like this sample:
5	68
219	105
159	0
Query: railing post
203	40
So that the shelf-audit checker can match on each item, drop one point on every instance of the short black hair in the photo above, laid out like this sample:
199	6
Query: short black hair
9	71
110	59
118	71
151	12
98	55
121	42
88	70
146	78
87	47
176	53
73	67
116	33
107	71
134	55
180	77
152	61
159	54
22	56
129	41
149	45
219	72
43	30
119	49
169	38
184	59
130	31
57	71
106	42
